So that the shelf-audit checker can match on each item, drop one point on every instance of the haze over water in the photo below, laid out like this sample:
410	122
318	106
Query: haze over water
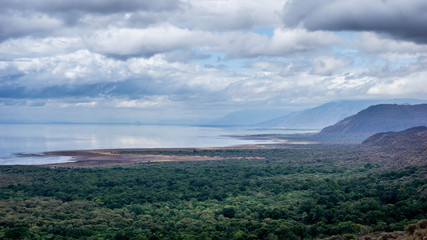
18	139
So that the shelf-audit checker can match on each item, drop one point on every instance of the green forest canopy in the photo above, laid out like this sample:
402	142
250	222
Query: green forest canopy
283	194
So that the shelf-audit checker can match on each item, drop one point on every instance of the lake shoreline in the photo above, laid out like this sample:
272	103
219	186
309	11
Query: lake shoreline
24	144
138	156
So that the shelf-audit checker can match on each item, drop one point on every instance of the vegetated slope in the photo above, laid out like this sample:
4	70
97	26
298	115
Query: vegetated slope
378	118
416	231
411	138
405	148
328	113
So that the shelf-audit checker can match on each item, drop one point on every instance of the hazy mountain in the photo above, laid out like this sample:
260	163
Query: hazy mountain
328	114
183	122
247	117
378	118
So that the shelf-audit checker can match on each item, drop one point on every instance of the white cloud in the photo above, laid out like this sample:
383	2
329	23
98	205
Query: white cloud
39	47
145	42
163	38
77	71
377	44
4	65
151	102
79	104
410	85
81	67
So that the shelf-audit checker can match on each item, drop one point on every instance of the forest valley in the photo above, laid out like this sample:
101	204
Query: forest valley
301	192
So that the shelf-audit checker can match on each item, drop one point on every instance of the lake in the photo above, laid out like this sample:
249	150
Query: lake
23	143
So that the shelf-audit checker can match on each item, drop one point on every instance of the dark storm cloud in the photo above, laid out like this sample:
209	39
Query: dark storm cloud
401	19
18	24
92	6
41	17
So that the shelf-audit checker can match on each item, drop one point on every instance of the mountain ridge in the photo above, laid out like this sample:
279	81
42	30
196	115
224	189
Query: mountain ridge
378	118
329	113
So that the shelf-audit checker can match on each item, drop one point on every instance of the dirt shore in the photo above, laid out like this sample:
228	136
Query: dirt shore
104	158
115	157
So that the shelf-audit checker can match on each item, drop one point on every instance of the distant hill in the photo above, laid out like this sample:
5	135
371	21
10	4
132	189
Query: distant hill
378	118
328	113
415	231
404	148
409	138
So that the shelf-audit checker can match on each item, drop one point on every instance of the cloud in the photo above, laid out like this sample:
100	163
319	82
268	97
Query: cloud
184	56
80	67
83	73
326	66
38	17
137	81
142	28
374	43
147	102
94	6
39	47
41	17
283	42
17	24
78	74
402	86
224	15
401	19
90	104
130	42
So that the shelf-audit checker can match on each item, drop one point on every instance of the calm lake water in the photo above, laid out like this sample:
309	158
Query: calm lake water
23	143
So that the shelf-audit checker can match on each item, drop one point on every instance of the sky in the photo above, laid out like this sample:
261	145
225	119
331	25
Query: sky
168	60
